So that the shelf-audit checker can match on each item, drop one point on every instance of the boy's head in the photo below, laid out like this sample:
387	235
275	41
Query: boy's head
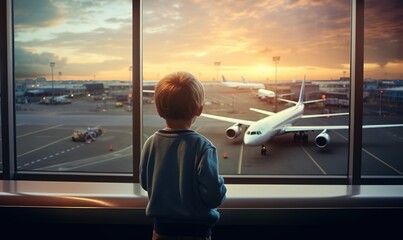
179	96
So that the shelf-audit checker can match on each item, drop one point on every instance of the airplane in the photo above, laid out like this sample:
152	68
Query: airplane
260	132
63	99
242	85
263	94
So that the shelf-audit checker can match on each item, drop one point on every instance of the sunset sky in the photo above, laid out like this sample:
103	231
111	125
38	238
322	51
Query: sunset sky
90	39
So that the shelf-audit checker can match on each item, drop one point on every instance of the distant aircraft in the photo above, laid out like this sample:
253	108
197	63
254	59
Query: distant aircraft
242	85
262	93
260	132
63	99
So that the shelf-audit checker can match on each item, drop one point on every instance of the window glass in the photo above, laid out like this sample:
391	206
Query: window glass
383	89
238	47
73	85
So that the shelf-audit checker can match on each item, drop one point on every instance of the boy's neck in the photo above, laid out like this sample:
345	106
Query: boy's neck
178	124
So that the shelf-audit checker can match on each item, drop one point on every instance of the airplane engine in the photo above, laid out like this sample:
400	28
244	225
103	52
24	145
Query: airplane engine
233	131
323	139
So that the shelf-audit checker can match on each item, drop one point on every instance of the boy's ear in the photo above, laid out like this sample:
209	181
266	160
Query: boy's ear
199	111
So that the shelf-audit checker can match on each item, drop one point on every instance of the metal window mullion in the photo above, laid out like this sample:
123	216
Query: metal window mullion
7	90
356	92
137	82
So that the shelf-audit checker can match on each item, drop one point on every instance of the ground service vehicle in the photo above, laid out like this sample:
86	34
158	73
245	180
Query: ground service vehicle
88	135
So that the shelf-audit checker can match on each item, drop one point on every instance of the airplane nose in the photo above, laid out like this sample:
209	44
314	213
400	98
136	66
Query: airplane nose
250	141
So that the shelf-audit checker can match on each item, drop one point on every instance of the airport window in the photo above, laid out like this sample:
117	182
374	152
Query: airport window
74	109
383	88
245	52
73	86
243	58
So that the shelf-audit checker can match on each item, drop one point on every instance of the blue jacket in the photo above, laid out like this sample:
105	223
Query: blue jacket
179	170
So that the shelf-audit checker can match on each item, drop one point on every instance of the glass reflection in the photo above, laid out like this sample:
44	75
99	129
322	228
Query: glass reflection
73	86
245	53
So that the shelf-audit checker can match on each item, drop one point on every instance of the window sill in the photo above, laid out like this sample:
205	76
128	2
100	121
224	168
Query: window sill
78	202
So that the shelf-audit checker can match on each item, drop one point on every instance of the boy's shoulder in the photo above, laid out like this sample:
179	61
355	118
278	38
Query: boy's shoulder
205	139
190	134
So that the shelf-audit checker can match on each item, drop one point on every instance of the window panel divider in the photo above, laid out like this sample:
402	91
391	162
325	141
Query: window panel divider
356	91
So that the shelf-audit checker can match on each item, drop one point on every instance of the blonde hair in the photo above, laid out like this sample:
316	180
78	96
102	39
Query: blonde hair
178	96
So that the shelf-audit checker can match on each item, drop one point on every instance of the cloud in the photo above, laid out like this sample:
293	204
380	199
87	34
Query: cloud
36	14
383	32
238	31
78	46
91	35
29	64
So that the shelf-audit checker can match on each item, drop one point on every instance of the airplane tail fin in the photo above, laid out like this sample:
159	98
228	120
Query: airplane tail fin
301	93
223	78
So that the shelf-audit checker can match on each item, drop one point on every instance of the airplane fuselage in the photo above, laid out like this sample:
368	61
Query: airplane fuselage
265	129
244	85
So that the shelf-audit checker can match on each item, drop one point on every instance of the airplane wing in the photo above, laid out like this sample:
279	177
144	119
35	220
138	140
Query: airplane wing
262	111
228	119
294	102
382	126
285	94
335	127
286	100
324	115
313	101
314	128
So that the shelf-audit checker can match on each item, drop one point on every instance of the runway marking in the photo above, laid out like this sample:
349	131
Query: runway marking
41	130
88	161
44	146
47	157
240	159
377	158
313	160
340	135
372	155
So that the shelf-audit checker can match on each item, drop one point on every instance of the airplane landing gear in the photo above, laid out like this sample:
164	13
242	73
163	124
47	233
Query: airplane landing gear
301	136
263	150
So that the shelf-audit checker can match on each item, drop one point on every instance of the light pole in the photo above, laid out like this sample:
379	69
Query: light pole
217	64
52	65
276	60
130	73
380	102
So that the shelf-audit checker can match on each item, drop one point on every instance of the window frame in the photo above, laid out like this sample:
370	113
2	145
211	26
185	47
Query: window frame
9	172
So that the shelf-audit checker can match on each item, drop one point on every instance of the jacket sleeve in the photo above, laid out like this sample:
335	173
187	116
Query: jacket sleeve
211	185
143	170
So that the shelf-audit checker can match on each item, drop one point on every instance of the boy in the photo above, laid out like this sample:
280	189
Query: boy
179	167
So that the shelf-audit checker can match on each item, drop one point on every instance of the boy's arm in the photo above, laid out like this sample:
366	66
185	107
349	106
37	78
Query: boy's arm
143	172
211	185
